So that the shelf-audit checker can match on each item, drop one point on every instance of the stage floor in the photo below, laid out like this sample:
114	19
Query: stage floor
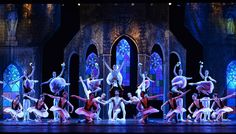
128	126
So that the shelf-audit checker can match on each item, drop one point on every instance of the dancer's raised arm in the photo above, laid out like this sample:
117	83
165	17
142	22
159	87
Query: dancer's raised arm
52	96
150	80
182	94
154	97
7	98
212	79
33	69
200	70
176	65
107	66
228	96
46	82
31	98
78	97
121	66
62	70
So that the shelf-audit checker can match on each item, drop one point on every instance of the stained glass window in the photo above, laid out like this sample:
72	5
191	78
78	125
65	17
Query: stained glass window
123	53
10	90
231	85
156	75
91	60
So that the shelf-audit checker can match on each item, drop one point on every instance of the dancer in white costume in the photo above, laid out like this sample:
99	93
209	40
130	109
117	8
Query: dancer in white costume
206	88
115	78
100	100
199	109
61	107
93	85
174	109
55	101
16	108
134	100
179	81
87	109
146	82
28	87
146	109
117	103
40	109
218	113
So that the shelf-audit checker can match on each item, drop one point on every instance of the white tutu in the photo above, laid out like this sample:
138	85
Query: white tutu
110	78
179	81
29	84
19	114
207	86
60	110
202	110
82	111
225	109
42	113
149	110
93	84
176	111
57	84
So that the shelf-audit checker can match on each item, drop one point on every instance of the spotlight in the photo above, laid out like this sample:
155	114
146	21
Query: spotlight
132	4
78	4
151	4
169	3
62	5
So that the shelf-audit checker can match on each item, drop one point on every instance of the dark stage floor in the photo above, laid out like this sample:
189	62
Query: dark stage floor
128	126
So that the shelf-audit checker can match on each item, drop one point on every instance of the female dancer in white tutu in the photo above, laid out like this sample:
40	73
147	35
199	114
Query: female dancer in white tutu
218	113
200	109
93	85
40	109
16	108
174	109
115	78
179	81
145	83
28	87
146	109
206	88
117	103
61	108
55	101
87	109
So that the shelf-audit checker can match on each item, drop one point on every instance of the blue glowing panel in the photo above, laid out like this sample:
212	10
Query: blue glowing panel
123	53
156	74
11	90
91	60
231	85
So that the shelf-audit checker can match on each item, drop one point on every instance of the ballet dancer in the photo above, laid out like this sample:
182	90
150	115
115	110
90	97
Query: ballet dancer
93	85
146	109
134	100
206	88
87	109
55	101
115	78
199	109
40	109
145	82
179	81
28	88
16	108
218	113
174	109
100	100
116	102
61	107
